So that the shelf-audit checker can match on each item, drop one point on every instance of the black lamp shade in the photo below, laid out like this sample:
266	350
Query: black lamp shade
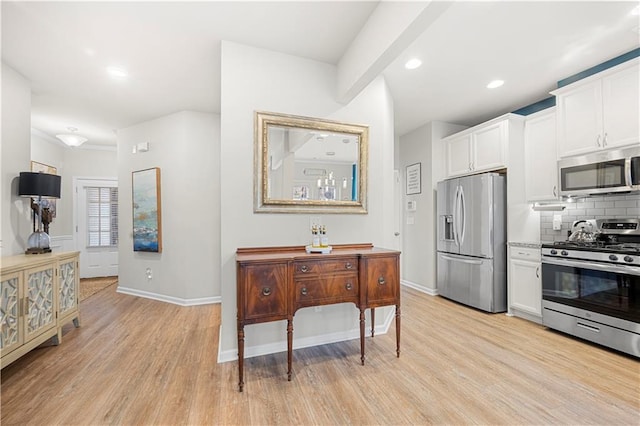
39	185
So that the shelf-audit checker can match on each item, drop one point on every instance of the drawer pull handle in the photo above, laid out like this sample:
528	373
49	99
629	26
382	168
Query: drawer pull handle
348	265
266	291
304	268
348	286
303	290
381	280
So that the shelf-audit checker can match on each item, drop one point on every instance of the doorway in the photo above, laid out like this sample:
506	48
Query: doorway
96	226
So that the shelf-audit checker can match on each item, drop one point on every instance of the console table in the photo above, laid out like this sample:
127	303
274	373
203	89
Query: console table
274	282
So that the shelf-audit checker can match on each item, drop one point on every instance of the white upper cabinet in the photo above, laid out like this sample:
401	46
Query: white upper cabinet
459	155
599	112
541	170
621	107
478	149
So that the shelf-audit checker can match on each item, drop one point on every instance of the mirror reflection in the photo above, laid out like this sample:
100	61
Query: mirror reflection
306	164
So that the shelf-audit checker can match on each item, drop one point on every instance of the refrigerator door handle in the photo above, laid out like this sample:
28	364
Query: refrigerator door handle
463	215
462	260
455	216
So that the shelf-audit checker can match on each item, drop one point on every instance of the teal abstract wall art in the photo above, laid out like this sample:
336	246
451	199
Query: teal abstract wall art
147	212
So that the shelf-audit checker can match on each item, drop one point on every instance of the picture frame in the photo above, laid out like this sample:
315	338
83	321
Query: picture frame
47	203
147	210
300	192
414	179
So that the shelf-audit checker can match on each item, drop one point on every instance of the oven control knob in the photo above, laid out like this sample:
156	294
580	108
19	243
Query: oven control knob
554	251
564	253
628	259
613	257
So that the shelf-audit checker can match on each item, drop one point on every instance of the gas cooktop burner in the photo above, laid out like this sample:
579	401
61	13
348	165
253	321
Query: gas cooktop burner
620	236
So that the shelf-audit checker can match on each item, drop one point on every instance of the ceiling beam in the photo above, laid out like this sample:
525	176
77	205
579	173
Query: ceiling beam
388	32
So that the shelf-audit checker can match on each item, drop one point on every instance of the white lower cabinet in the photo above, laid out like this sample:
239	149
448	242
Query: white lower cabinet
525	284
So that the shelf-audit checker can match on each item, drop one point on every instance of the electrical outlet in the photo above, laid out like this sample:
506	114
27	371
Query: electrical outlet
149	273
314	220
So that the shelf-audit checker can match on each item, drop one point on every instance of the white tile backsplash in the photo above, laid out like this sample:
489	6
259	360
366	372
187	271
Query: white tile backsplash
596	207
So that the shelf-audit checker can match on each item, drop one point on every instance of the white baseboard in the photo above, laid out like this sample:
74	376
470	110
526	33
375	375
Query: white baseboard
169	299
305	342
429	291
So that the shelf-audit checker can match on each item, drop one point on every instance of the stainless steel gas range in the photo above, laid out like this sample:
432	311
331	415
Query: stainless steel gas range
592	289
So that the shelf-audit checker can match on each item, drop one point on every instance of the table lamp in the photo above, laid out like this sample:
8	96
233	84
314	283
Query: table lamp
40	185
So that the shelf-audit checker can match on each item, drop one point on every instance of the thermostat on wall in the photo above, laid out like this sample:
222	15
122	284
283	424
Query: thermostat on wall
411	206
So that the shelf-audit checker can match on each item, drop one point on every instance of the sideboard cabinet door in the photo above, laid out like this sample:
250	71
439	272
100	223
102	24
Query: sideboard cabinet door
265	291
382	280
11	294
40	300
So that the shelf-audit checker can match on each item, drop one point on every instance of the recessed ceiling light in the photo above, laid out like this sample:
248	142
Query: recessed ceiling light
413	63
494	84
330	153
117	72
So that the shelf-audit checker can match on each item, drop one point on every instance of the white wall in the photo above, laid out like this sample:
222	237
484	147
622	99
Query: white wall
419	239
185	146
15	148
256	79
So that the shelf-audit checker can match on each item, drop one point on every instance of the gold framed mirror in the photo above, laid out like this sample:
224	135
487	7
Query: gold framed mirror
309	165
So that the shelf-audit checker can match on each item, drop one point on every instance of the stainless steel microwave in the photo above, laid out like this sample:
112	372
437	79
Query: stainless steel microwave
600	172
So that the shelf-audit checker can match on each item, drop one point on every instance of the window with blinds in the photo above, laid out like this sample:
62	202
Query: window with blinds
102	220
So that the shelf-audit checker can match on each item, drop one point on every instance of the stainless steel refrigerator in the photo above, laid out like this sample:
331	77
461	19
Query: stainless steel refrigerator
471	264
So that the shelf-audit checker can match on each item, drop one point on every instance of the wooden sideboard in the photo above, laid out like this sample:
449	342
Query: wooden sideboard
274	282
39	294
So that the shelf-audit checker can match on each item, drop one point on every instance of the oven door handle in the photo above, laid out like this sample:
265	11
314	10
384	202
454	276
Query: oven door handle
605	267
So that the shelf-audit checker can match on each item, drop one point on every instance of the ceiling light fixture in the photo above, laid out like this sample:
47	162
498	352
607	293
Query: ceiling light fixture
117	72
71	139
494	84
413	63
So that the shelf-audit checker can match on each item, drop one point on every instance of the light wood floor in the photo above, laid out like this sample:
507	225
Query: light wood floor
138	361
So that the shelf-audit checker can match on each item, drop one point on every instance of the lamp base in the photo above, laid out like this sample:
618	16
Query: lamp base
36	250
38	243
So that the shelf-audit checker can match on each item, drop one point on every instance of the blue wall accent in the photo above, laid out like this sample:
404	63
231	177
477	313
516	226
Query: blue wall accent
538	106
603	66
551	101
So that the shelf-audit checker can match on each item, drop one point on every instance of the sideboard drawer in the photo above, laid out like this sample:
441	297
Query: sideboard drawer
326	290
310	267
265	291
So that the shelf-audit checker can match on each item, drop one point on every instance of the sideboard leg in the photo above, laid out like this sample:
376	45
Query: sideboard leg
289	347
398	330
362	336
373	320
240	357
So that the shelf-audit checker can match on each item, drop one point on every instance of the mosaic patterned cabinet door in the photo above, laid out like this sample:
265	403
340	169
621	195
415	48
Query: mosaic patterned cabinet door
68	292
10	297
40	300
